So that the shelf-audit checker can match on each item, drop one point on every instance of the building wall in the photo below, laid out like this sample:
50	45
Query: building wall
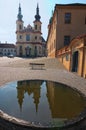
38	23
75	28
80	58
84	73
78	47
32	37
32	51
6	49
64	58
66	61
51	41
58	28
67	57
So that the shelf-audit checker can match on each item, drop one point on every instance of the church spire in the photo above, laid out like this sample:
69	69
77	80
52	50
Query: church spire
19	16
37	16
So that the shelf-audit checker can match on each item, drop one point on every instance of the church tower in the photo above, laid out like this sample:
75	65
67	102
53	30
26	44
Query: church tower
29	40
19	22
37	25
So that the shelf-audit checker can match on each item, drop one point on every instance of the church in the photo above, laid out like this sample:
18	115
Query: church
29	40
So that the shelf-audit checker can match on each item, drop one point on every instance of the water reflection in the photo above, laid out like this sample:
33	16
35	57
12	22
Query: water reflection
29	87
63	102
40	101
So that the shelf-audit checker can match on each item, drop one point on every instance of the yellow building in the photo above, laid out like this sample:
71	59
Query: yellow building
67	22
73	56
30	42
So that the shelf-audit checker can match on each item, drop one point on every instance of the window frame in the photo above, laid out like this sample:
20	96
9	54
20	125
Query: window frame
67	39
67	18
35	37
36	27
20	27
27	37
20	37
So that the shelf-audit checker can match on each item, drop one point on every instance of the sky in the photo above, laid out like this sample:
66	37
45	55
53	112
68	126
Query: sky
9	11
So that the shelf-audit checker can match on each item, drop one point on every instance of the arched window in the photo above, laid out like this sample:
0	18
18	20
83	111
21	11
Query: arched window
20	48
20	36
20	27
35	37
35	27
27	37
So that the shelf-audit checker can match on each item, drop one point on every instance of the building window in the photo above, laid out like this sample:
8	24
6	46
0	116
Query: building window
20	47
27	37
66	40
20	27
20	36
35	27
35	37
67	18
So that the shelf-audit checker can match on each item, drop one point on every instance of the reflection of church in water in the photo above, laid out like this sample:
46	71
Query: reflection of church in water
34	87
58	101
29	87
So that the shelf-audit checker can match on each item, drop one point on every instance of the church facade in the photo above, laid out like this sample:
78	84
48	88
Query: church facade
29	40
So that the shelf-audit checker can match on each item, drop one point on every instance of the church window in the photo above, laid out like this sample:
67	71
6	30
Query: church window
27	37
20	47
67	18
9	51
35	27
20	27
66	40
20	37
35	37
